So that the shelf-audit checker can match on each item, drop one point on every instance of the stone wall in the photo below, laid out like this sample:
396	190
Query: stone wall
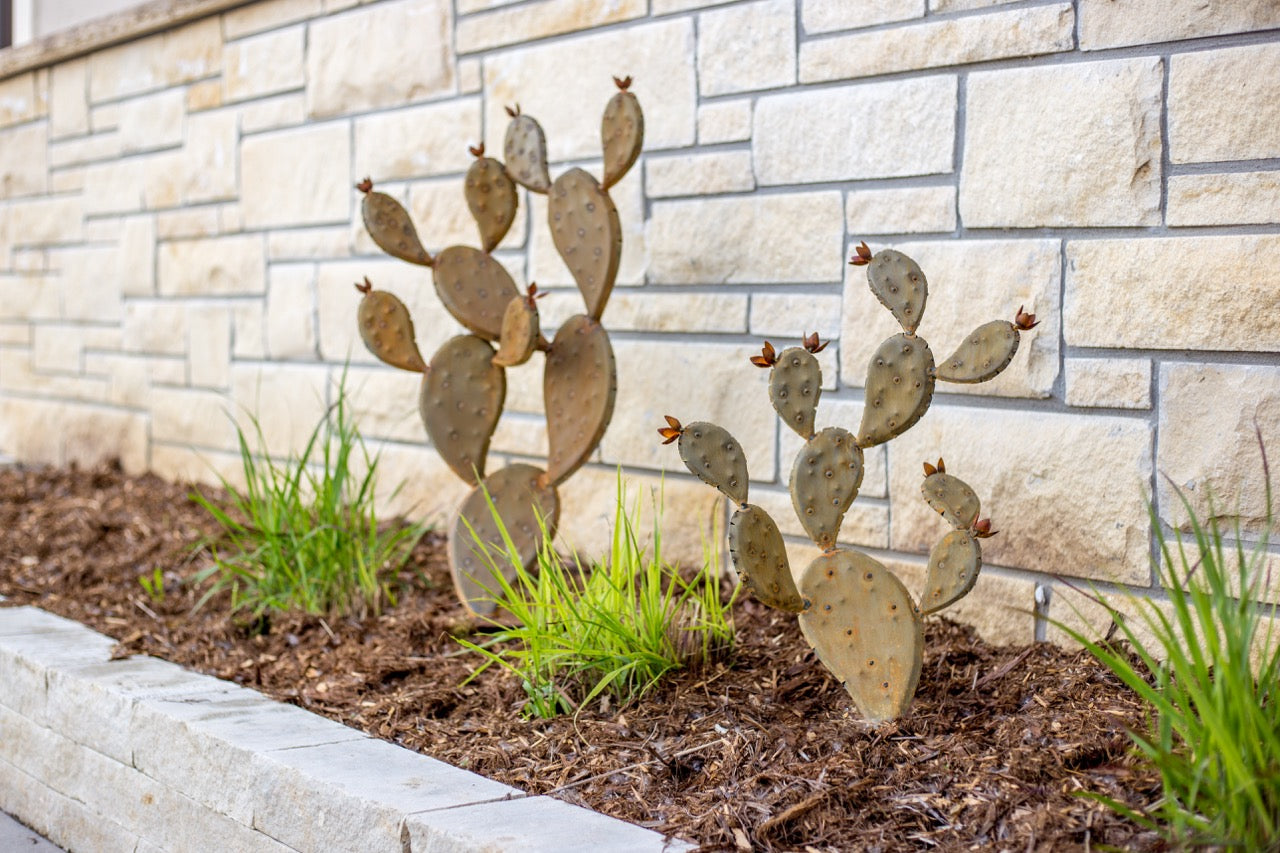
179	236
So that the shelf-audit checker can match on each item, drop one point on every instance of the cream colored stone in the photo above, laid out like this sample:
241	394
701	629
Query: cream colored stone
308	244
1095	155
86	435
128	379
155	327
1168	303
181	463
470	76
865	525
291	311
187	222
1208	445
15	334
724	121
1000	607
24	161
134	262
212	267
466	7
699	174
1065	492
524	389
824	16
541	19
69	99
1229	198
116	186
1106	24
102	301
793	315
545	265
57	348
909	210
67	181
565	85
191	52
440	213
1108	382
971	282
522	435
1032	31
297	177
964	5
29	260
84	149
260	16
384	402
642	310
45	219
287	400
203	170
855	132
230	218
151	121
662	7
192	417
747	46
103	117
739	240
248	328
264	64
846	414
273	113
209	346
1225	104
18	99
420	141
19	377
412	59
29	297
414	482
205	95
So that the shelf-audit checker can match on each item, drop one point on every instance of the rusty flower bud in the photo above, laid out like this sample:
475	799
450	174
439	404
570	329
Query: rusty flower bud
365	186
1024	321
982	529
533	293
813	345
767	357
476	150
671	431
624	84
513	111
863	257
366	287
929	470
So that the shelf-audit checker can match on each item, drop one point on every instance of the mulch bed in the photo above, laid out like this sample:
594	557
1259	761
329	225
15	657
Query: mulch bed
761	752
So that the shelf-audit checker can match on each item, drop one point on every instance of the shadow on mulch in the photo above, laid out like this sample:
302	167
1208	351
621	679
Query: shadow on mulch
764	752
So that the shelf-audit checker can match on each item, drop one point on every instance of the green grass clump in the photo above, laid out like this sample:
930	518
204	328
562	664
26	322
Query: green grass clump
304	533
614	629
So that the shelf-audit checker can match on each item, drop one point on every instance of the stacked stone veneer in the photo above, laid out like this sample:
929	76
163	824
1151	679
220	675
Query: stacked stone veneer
179	236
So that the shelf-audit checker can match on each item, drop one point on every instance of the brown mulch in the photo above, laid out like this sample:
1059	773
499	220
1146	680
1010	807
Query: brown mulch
763	752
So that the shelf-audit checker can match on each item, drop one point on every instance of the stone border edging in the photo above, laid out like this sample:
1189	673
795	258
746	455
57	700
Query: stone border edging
142	755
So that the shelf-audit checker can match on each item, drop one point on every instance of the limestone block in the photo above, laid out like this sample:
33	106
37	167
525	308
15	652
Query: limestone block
866	524
65	181
1209	415
964	5
209	346
297	177
191	52
128	380
205	95
824	16
257	17
47	219
470	76
84	149
15	334
541	19
419	141
18	99
1095	155
24	157
155	326
264	64
22	435
273	113
100	303
1123	383
1230	198
192	417
970	283
466	7
133	265
413	482
1225	104
29	297
1065	492
724	121
1000	607
642	310
69	99
181	463
115	186
662	7
738	239
1105	24
187	223
384	403
953	41
747	46
57	348
151	121
67	823
250	333
216	266
793	316
408	57
1167	302
545	265
838	412
855	132
288	401
566	83
441	215
308	244
699	174
291	301
520	434
909	210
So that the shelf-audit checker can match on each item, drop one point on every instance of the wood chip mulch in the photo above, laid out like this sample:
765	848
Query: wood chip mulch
761	752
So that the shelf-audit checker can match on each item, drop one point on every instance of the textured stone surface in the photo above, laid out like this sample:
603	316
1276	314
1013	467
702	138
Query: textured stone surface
287	400
24	161
1104	23
257	17
289	177
190	52
724	121
264	64
18	100
46	219
191	417
416	142
540	19
1095	155
1108	383
1000	607
747	46
1230	198
1225	104
953	41
910	210
151	121
69	99
290	323
211	267
1168	302
851	132
643	311
793	316
823	16
209	346
699	174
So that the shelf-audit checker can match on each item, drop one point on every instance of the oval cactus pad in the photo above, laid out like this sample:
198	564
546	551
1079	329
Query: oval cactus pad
474	288
899	284
588	235
579	385
461	402
387	329
760	556
520	496
899	389
390	226
953	570
865	628
622	134
824	481
795	384
520	329
491	197
525	152
985	352
952	498
711	453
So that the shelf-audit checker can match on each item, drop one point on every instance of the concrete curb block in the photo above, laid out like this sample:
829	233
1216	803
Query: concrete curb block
141	755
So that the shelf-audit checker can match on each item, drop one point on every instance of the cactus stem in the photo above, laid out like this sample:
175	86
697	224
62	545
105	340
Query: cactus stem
366	186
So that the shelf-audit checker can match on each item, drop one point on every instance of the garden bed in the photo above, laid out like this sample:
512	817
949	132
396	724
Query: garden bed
764	751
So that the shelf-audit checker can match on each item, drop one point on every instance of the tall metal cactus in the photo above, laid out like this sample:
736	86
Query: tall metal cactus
860	619
464	385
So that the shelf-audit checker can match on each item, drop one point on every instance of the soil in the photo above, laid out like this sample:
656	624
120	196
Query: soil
763	751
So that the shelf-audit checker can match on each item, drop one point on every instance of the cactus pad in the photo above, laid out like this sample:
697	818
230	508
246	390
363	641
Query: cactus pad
865	628
390	226
824	482
492	199
795	384
387	329
952	498
715	456
588	235
520	330
900	285
622	134
579	386
520	495
475	288
460	403
760	556
953	570
985	352
525	150
899	389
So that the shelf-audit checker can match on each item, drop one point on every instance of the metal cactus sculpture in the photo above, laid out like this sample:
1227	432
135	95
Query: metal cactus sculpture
860	619
464	384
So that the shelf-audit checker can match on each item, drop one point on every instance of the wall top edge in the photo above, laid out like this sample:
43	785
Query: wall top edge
127	25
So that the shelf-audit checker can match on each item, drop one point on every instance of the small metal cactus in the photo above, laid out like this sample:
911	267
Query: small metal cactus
861	621
464	384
